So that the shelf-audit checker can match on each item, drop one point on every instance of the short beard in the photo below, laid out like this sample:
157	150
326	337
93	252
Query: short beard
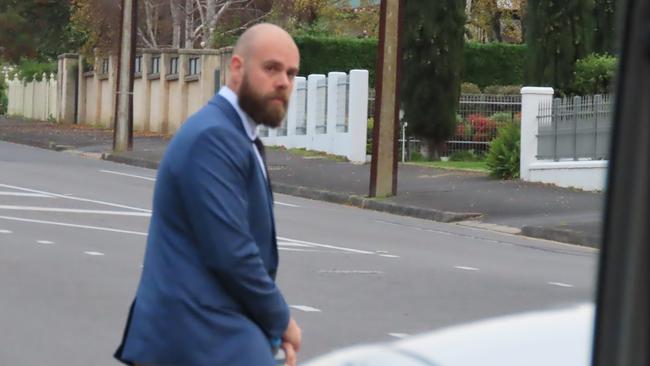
259	108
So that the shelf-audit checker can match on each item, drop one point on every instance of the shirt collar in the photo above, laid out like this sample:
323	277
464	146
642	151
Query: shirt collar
249	125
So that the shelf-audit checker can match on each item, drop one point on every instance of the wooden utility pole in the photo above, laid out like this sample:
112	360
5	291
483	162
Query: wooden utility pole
383	173
123	135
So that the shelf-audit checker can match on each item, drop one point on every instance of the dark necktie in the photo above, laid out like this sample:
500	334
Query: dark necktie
260	148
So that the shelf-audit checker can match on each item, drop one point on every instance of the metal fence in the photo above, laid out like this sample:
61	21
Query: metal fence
479	118
574	128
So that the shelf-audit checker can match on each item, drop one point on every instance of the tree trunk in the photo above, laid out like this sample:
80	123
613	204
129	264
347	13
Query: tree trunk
189	24
151	19
177	22
434	149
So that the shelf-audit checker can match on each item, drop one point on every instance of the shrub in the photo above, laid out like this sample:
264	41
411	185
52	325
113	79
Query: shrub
483	128
503	158
504	118
464	155
28	70
593	74
503	89
469	88
371	124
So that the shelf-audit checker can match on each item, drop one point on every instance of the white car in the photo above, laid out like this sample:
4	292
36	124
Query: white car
554	337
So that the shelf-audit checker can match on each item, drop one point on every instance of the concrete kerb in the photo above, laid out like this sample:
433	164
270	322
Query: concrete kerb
129	160
371	204
561	235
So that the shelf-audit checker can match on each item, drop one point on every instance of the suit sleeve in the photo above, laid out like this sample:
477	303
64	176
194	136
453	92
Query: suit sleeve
214	190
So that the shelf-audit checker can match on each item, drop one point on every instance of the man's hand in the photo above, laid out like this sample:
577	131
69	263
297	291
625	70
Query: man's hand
293	335
290	354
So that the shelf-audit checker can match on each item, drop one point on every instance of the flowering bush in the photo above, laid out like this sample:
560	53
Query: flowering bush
483	128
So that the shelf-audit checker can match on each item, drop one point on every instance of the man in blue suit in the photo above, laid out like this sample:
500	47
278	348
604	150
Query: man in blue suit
207	295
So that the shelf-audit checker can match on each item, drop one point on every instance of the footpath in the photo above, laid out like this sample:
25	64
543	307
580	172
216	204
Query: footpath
462	197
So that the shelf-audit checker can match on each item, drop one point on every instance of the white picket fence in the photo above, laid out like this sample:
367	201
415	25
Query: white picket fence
327	114
35	99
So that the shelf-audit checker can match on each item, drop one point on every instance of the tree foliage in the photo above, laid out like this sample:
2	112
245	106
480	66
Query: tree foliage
559	33
604	26
433	40
35	29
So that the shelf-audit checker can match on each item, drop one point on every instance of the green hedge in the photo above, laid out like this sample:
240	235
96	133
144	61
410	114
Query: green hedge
320	55
593	75
29	70
485	64
494	64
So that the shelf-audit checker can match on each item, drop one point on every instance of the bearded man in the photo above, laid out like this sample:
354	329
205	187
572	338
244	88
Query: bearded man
207	295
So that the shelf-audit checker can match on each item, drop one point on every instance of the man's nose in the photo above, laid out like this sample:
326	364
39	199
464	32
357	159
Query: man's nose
282	82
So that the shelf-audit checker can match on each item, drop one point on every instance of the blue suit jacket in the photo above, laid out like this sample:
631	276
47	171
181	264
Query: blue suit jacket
207	294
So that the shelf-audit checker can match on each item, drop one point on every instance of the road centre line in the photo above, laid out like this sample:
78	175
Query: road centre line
154	179
128	175
325	246
297	250
94	253
305	308
98	228
45	242
72	225
560	284
20	194
74	198
466	268
68	210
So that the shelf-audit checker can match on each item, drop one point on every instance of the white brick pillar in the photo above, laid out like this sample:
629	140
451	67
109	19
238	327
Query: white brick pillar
334	98
292	116
531	98
358	117
312	102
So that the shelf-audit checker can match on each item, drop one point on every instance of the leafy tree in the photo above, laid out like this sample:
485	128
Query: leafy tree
433	57
559	33
35	29
604	25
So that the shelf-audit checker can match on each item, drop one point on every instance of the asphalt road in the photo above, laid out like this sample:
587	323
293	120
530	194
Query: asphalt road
72	236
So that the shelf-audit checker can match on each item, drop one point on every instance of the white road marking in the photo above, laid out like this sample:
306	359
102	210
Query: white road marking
45	242
466	268
154	179
343	271
560	284
94	253
297	250
75	198
73	225
325	246
305	308
21	194
5	232
398	335
290	244
389	256
128	175
286	204
69	210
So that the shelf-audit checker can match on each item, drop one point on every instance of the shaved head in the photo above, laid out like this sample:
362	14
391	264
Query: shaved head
247	42
263	66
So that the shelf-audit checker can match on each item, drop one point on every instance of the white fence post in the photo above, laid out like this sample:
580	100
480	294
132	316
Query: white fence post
334	101
531	98
312	105
292	117
358	117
